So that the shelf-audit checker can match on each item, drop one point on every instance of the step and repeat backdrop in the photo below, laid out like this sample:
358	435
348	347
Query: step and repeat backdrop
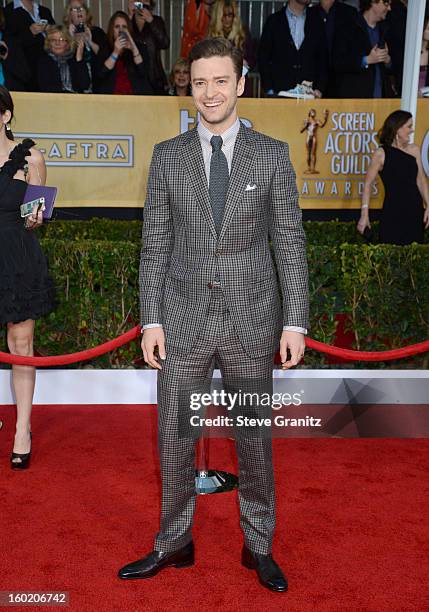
98	148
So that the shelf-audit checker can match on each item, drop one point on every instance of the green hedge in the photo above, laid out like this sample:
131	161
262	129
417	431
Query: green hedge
97	287
318	232
383	289
93	229
386	294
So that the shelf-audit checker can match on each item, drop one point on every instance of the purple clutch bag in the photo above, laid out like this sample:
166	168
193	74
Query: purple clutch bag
39	191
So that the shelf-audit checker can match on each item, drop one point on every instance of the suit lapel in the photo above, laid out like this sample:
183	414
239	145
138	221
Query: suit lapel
286	28
193	163
241	171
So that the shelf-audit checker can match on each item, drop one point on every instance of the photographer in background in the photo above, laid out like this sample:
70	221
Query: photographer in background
124	68
61	68
14	72
27	22
78	20
150	30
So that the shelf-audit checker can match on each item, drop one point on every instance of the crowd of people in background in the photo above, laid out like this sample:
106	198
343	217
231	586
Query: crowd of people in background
325	49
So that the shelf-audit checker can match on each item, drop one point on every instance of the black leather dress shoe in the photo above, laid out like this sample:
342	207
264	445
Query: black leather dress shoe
156	561
269	573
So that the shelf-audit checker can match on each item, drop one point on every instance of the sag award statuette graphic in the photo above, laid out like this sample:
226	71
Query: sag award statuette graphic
311	125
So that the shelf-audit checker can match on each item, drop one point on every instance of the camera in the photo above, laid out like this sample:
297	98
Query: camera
3	51
80	28
141	5
123	36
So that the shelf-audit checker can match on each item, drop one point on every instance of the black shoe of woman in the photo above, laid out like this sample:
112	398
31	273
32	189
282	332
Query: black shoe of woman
21	461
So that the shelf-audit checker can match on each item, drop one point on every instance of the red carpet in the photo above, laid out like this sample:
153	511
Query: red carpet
352	520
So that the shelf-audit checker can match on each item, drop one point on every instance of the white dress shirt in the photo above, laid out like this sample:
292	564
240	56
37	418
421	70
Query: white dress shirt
296	26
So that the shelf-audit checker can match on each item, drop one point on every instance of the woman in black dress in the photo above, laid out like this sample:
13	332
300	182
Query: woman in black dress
405	212
26	291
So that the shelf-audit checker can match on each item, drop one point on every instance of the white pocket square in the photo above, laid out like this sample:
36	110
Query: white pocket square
250	187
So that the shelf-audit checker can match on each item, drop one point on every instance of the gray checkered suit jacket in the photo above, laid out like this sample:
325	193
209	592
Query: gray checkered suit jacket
182	254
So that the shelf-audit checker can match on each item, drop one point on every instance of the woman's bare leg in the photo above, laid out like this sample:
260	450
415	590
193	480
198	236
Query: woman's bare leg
20	342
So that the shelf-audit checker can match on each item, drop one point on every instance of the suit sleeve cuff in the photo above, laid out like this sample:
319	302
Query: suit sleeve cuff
299	330
150	326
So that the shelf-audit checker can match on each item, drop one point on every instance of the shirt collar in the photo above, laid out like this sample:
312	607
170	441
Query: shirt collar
292	14
228	136
18	4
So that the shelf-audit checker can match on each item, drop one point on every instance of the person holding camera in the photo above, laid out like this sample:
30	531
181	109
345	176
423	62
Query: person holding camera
150	30
78	20
27	21
124	69
61	68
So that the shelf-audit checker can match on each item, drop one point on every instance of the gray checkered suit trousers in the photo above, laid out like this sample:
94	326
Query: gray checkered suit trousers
218	340
182	254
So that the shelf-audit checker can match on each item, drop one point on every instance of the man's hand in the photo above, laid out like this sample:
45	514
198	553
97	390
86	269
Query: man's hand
37	28
153	337
378	56
295	342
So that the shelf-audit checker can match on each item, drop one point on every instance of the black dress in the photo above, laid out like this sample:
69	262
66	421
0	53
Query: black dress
402	215
26	290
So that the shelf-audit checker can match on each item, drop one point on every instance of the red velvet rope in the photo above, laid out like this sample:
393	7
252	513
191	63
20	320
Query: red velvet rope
351	355
321	347
73	357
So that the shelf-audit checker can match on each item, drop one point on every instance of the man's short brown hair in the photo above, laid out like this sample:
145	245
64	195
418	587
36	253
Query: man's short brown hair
217	47
365	5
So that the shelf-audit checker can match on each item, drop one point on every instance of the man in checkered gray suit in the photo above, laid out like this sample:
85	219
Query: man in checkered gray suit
209	292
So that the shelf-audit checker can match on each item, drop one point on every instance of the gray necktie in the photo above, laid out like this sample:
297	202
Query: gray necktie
219	178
